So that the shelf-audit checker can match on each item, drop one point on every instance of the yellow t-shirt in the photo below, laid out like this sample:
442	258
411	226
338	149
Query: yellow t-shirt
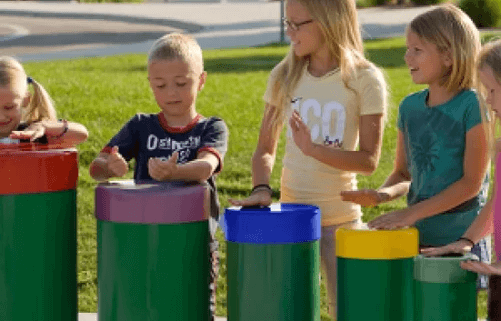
332	113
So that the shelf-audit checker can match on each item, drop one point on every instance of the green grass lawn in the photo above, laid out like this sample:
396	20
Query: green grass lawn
103	93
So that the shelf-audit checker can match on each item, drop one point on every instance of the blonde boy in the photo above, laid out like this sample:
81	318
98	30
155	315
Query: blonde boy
177	143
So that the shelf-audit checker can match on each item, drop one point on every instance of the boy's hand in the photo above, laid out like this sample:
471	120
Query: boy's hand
117	165
162	170
364	197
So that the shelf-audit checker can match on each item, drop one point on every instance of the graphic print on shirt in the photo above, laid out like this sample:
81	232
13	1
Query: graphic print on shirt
326	122
425	151
184	148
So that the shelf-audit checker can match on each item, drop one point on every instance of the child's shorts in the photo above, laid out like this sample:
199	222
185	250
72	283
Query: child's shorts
483	250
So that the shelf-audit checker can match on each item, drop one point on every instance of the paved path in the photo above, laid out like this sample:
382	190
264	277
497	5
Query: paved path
85	30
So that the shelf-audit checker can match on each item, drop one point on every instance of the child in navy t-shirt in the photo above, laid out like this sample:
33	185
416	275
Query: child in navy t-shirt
177	144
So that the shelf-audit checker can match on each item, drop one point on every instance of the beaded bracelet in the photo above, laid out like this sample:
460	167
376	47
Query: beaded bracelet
262	187
467	240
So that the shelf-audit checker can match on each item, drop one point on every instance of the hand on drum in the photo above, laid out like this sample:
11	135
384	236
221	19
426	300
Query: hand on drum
162	169
392	220
482	268
460	247
257	198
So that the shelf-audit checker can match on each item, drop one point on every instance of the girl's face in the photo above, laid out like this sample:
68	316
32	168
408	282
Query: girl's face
426	63
493	89
175	86
11	101
304	32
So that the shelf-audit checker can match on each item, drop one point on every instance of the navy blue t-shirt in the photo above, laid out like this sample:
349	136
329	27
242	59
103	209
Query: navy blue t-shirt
148	135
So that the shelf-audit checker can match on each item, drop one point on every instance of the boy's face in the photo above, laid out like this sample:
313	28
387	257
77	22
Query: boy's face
175	85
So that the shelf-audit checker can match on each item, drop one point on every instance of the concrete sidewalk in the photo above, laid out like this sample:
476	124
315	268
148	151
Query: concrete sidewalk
215	25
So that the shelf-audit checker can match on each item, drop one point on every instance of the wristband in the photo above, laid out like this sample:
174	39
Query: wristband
262	187
65	129
467	240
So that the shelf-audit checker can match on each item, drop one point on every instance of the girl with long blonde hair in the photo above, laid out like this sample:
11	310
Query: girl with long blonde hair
333	101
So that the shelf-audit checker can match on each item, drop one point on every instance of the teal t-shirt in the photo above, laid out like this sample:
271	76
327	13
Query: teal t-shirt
435	140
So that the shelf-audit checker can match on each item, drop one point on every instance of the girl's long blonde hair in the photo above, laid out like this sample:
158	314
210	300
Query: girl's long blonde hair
490	57
339	26
40	107
454	33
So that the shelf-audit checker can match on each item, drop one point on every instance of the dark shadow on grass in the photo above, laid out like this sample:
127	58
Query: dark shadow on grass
387	57
242	64
84	38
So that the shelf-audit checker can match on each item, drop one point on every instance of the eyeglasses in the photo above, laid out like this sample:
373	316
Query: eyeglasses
294	26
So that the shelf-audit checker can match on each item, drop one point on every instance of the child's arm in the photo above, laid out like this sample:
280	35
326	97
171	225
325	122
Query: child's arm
106	165
481	227
474	168
61	132
482	268
199	169
364	161
396	185
263	160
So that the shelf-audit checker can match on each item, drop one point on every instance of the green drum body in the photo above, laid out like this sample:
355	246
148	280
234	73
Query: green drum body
153	251
273	263
38	246
443	290
375	274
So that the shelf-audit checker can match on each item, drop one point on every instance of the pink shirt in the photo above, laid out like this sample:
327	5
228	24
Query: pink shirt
497	209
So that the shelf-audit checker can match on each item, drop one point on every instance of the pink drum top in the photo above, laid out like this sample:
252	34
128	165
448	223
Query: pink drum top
152	202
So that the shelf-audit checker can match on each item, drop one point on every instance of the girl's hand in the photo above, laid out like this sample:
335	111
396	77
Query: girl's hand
162	170
258	198
301	133
117	165
364	197
482	268
460	247
32	132
393	220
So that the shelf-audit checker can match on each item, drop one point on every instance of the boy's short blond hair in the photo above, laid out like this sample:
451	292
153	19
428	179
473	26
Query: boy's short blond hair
178	46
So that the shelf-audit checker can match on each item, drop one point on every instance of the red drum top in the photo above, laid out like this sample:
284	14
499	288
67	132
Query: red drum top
33	168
